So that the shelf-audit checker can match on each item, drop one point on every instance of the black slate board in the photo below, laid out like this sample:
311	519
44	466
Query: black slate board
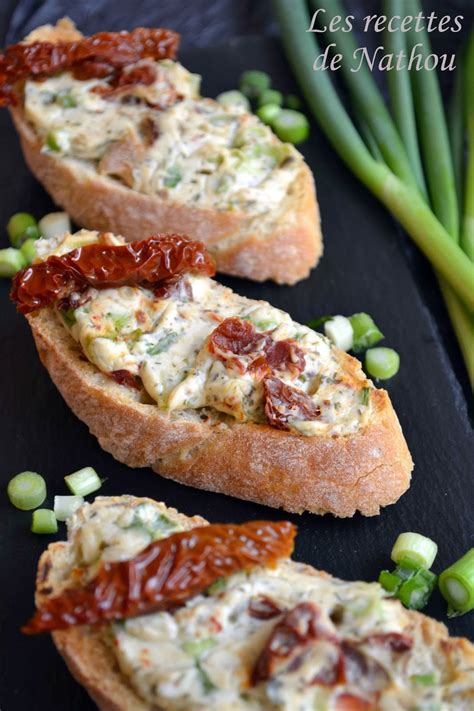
365	267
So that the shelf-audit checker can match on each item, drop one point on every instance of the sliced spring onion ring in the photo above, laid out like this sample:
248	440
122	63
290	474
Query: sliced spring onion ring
268	113
457	585
366	333
55	224
27	490
83	482
233	98
66	506
382	363
339	331
44	521
28	249
11	261
415	592
18	225
415	548
270	96
253	83
291	126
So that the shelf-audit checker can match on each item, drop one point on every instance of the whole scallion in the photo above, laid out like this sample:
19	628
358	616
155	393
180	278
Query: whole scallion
404	202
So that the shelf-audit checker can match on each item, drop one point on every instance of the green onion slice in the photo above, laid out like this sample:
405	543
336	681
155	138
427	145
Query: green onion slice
339	331
233	98
27	490
382	363
268	113
44	521
253	83
18	225
28	249
291	126
83	482
457	584
270	96
389	581
11	261
415	592
366	333
66	506
415	548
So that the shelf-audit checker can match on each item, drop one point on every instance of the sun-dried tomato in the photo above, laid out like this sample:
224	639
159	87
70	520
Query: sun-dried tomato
100	55
238	337
150	263
284	402
263	608
350	702
299	627
166	574
332	674
125	377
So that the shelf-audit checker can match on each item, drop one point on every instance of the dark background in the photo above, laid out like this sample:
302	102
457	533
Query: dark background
368	265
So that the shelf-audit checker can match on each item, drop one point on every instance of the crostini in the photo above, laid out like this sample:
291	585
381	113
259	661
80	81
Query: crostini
262	636
116	131
171	370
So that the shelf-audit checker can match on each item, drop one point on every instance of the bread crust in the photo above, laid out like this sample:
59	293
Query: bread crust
320	474
92	663
286	252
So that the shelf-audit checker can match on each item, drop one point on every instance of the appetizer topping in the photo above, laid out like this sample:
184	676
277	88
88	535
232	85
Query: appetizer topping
261	354
104	54
167	573
149	262
197	349
284	403
296	629
348	645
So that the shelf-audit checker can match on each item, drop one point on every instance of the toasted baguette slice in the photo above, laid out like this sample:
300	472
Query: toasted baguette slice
449	661
341	475
283	249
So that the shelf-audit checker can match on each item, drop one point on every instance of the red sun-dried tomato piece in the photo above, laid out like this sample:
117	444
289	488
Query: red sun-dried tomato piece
299	627
125	377
350	702
284	402
238	337
150	263
234	336
396	641
97	56
166	574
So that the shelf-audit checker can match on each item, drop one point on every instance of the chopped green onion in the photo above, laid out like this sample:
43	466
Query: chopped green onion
199	647
268	113
415	592
423	679
27	490
44	521
415	548
270	96
83	482
66	506
315	323
57	141
382	363
233	98
67	101
28	250
365	396
217	586
172	177
11	261
293	102
366	333
291	126
18	225
54	224
253	83
339	331
404	202
389	581
457	584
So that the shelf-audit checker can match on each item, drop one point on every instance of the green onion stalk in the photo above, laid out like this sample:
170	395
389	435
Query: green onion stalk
404	201
467	232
